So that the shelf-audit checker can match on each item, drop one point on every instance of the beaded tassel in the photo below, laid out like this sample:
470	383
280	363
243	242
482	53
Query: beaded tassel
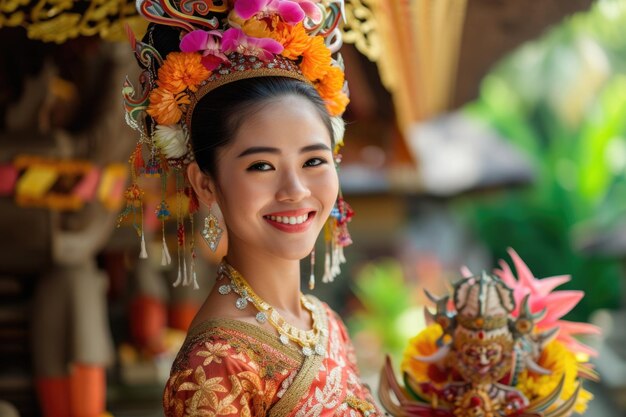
312	276
326	278
179	278
134	198
182	262
192	249
163	213
337	237
185	275
143	254
166	259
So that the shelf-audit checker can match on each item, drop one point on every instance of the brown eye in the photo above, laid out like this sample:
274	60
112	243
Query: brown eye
313	162
260	166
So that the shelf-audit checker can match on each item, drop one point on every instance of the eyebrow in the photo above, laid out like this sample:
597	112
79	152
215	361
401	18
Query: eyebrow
267	149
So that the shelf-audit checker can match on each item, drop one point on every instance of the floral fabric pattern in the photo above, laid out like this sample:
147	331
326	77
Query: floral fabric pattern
231	368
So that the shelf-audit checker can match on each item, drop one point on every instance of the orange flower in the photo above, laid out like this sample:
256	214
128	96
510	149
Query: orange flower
293	38
336	104
315	59
331	83
165	106
182	70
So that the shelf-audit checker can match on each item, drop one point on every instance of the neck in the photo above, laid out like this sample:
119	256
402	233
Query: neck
275	280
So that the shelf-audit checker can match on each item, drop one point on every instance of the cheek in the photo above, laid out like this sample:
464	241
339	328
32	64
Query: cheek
327	188
236	197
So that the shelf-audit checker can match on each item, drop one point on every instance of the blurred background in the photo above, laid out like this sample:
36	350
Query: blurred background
474	126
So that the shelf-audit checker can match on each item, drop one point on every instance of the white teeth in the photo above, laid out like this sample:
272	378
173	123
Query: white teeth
290	220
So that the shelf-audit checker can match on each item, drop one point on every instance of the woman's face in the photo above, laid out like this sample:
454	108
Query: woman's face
276	179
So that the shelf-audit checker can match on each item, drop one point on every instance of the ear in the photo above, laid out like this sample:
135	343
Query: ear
202	184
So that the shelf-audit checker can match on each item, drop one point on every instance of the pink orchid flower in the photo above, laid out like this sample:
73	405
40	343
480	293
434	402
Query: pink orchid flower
556	303
235	40
291	11
206	42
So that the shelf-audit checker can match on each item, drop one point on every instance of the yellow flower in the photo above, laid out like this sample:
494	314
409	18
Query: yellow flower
315	59
294	39
561	362
164	106
424	344
182	70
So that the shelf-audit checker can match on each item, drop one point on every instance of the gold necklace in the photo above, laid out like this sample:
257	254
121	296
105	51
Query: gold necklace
309	340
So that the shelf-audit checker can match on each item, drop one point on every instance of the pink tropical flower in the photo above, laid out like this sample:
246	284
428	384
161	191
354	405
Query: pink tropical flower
206	42
235	40
291	11
556	303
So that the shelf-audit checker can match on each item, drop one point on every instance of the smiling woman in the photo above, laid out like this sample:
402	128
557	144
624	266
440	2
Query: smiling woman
274	179
246	110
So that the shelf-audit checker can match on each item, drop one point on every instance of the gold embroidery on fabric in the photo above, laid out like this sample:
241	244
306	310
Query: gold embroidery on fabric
170	401
213	352
248	339
360	405
251	391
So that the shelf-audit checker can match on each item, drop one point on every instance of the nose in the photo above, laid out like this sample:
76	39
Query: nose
292	188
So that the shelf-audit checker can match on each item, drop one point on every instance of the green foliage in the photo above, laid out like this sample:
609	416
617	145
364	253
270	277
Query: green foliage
562	101
386	299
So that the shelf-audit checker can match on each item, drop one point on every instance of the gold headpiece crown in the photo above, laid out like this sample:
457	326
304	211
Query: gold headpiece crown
222	42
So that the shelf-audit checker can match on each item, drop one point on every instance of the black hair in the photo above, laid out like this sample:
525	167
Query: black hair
218	115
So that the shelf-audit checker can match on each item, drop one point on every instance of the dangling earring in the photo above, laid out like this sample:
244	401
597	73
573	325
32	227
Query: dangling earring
312	276
336	237
212	233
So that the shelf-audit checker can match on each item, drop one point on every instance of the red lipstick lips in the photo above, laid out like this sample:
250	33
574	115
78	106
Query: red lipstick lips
292	221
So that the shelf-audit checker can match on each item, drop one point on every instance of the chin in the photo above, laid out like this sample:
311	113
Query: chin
293	252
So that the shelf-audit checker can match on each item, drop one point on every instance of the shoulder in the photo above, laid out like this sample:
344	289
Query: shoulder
220	371
233	344
210	356
227	346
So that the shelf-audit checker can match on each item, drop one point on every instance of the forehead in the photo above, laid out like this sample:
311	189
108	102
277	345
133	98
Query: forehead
285	122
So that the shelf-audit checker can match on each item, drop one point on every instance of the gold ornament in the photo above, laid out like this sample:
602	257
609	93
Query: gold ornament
212	233
308	340
60	20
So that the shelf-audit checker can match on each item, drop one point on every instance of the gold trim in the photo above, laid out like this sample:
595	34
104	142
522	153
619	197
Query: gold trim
256	332
363	406
309	366
237	76
482	322
308	371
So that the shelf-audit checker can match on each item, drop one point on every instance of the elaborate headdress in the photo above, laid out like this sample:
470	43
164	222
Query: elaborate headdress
487	353
223	41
